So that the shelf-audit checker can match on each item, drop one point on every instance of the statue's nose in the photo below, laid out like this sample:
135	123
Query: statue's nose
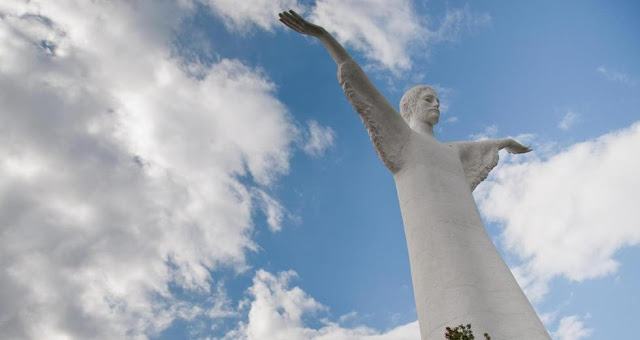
438	103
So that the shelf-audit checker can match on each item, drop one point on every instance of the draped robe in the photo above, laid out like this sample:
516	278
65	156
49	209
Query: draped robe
458	276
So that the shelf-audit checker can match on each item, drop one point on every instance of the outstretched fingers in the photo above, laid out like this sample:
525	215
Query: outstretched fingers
295	18
292	12
299	23
291	22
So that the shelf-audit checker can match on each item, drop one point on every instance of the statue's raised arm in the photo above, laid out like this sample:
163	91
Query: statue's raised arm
388	131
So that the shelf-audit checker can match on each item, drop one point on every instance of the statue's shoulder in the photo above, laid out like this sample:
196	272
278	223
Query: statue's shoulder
478	158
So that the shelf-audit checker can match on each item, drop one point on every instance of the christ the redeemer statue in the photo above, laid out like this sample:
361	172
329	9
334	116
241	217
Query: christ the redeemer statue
458	275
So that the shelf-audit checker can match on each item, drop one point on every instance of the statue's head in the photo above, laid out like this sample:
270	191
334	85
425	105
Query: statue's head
420	105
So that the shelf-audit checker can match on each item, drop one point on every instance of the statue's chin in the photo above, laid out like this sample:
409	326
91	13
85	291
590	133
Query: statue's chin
432	117
426	118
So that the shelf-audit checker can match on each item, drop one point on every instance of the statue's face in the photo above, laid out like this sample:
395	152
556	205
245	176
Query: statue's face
427	107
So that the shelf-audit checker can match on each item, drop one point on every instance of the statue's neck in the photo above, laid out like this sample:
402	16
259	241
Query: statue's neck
425	129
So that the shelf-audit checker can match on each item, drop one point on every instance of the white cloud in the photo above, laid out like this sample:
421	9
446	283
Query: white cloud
616	76
568	215
346	317
382	30
119	171
548	318
568	120
276	312
452	119
571	328
388	32
272	209
525	138
489	132
319	139
241	16
444	95
458	20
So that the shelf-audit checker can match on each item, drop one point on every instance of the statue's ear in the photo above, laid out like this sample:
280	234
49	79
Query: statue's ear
404	108
406	117
405	111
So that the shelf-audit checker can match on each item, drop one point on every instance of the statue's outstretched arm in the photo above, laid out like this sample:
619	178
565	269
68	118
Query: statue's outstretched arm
388	131
480	157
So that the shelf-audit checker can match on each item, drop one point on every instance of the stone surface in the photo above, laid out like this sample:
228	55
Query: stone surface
458	275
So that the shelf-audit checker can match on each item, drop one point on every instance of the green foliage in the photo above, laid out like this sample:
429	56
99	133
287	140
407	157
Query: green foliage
462	332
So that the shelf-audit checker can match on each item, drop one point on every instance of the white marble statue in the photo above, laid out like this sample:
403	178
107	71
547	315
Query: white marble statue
458	275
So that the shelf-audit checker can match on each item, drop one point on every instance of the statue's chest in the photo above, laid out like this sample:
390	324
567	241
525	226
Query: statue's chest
432	180
431	155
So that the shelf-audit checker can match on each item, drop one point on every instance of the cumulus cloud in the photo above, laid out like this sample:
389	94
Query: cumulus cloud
568	120
276	312
571	328
387	32
241	16
119	170
567	215
616	76
319	139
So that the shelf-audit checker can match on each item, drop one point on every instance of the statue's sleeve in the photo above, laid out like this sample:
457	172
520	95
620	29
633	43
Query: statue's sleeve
388	131
478	159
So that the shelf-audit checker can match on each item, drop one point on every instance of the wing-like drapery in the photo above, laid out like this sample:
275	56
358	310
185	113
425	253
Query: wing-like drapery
478	159
387	130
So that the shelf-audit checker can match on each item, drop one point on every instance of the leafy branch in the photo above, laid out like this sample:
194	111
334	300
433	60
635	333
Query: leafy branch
462	332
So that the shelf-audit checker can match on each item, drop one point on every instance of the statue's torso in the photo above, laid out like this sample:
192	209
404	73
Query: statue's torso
459	275
433	186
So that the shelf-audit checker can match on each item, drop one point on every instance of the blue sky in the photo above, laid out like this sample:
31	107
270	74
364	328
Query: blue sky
191	169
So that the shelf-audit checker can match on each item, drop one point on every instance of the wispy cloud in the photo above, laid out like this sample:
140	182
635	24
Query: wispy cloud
273	210
452	119
242	16
457	21
489	132
346	317
318	139
616	76
445	94
568	120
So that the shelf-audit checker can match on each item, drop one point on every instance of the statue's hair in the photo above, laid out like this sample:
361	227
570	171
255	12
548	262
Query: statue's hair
409	100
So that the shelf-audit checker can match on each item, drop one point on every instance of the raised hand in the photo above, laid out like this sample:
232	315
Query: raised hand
298	24
513	146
